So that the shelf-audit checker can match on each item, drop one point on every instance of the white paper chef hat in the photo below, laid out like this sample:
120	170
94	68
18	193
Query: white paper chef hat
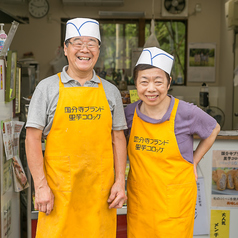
82	27
156	57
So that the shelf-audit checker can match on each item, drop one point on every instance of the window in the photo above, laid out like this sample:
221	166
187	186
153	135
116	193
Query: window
122	38
172	37
118	40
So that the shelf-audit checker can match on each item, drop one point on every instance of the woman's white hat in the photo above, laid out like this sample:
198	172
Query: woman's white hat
82	27
156	57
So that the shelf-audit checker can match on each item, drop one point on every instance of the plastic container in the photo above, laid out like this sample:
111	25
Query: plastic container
179	79
204	95
3	36
122	84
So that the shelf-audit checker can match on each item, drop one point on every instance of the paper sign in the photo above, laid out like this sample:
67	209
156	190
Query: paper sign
220	223
7	219
134	96
1	75
7	176
19	176
201	226
224	178
11	133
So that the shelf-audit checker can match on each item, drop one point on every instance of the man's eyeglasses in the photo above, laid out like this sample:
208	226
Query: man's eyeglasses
79	45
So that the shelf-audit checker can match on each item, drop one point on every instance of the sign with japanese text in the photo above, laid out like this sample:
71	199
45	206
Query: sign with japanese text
201	215
224	178
150	145
134	96
220	223
76	113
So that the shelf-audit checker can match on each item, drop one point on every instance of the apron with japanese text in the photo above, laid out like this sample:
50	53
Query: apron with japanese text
79	166
161	184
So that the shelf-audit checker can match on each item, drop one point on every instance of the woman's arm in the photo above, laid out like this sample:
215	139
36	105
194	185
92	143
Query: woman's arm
203	146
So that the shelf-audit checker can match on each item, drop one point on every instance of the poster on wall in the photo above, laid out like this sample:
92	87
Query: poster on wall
224	178
220	223
201	62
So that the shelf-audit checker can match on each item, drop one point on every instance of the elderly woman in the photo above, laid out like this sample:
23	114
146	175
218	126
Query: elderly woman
162	179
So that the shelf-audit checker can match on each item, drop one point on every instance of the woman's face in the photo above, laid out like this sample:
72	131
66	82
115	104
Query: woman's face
152	86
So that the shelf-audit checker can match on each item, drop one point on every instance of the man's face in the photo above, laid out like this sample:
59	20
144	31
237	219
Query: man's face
82	53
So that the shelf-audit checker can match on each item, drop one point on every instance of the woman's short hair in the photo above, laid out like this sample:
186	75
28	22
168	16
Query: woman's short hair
141	67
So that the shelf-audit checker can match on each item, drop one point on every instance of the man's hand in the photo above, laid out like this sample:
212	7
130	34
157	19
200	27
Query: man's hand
117	197
44	199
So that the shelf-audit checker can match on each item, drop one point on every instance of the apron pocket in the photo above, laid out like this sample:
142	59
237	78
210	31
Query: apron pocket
181	199
58	173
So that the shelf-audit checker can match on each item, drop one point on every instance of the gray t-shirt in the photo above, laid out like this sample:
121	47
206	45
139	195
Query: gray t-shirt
45	98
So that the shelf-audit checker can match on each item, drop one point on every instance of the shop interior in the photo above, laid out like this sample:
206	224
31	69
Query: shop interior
202	35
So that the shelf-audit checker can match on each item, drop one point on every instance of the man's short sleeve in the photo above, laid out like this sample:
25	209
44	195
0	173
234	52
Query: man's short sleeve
37	110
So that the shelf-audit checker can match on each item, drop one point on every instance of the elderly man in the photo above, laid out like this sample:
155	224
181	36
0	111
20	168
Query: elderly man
82	118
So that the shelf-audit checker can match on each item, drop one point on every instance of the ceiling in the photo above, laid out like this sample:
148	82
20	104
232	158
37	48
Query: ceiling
6	17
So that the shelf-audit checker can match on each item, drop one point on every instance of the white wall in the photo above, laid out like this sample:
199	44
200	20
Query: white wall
42	36
10	195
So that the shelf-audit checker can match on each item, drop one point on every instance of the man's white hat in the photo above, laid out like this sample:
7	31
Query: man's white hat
82	27
156	57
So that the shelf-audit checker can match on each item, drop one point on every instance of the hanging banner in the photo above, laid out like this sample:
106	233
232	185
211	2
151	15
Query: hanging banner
224	178
220	223
201	216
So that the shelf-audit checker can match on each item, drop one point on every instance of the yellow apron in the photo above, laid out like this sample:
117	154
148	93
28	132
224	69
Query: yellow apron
79	166
161	184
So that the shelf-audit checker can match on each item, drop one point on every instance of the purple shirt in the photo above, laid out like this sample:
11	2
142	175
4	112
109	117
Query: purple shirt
189	120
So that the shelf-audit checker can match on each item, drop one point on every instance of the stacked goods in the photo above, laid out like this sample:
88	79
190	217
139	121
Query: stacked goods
220	178
235	178
225	180
230	180
125	95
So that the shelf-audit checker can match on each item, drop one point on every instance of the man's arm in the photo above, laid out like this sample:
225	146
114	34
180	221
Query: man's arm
203	146
44	198
118	197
